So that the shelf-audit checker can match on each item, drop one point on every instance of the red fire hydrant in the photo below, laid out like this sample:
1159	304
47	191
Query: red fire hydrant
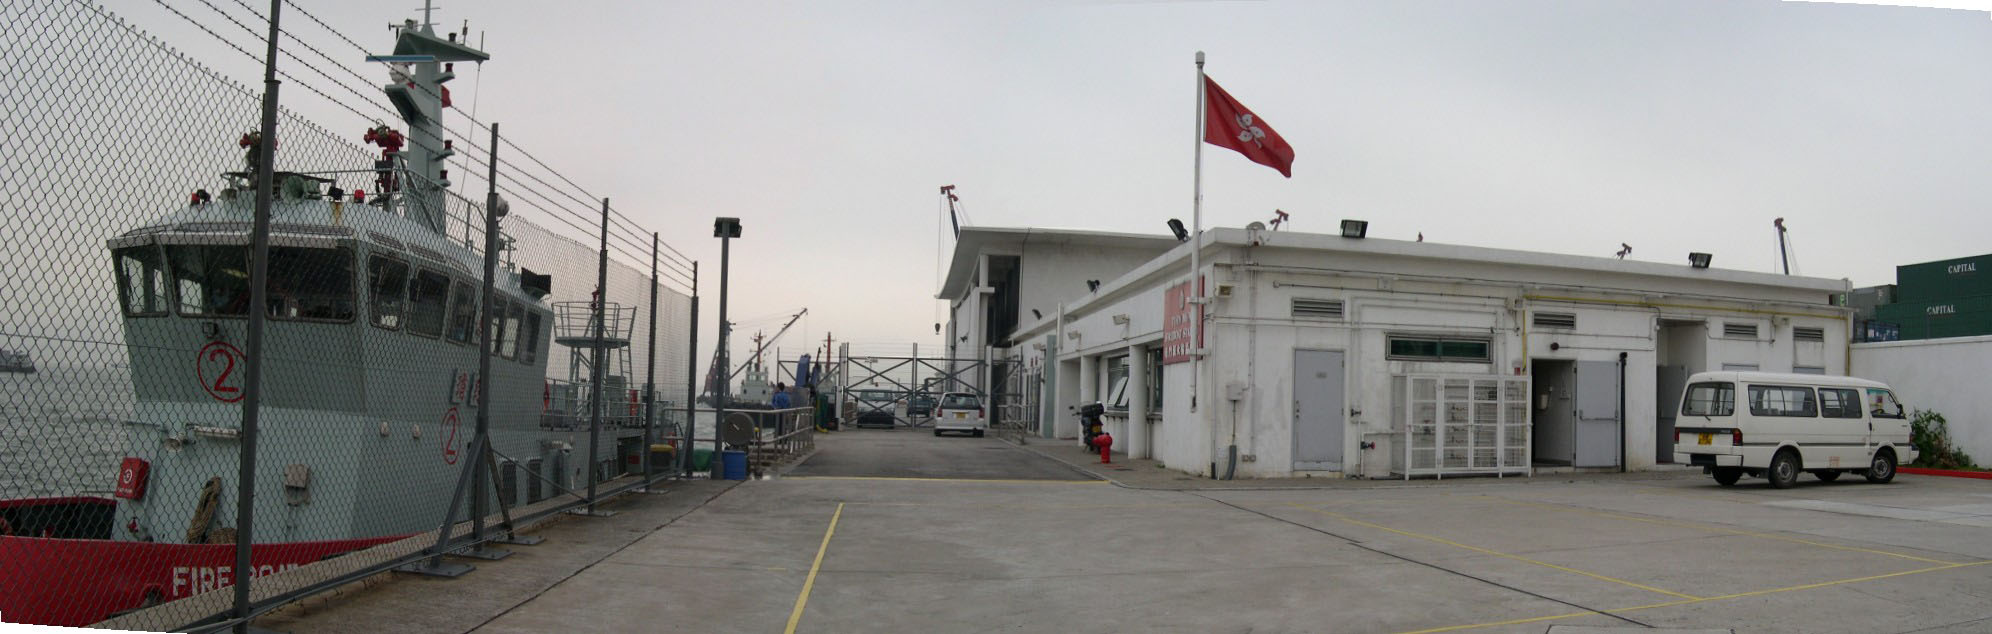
1106	444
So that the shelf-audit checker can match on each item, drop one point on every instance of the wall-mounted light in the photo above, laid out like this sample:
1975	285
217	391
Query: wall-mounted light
1699	260
1355	228
1072	334
1176	227
1036	315
1120	320
1092	286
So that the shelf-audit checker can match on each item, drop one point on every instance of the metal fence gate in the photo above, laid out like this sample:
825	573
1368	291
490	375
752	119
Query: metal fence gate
903	390
1017	404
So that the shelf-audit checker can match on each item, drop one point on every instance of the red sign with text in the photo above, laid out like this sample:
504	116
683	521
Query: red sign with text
1182	324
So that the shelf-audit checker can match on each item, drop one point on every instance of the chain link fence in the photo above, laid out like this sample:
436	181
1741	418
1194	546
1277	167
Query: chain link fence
127	200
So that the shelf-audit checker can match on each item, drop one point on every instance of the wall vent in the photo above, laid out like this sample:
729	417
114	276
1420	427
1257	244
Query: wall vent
1304	308
1739	331
1808	334
1554	320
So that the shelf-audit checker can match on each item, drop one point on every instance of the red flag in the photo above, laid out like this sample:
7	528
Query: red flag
1228	123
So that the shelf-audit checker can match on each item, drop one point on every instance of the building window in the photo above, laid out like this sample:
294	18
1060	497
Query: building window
1154	367
1453	349
1116	384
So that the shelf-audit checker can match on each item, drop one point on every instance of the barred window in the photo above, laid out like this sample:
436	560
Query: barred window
141	281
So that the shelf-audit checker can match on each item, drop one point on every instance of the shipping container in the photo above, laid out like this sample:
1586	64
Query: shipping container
1942	279
1955	317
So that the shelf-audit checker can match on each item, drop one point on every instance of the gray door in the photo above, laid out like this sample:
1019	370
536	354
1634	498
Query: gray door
1597	433
1671	380
1318	410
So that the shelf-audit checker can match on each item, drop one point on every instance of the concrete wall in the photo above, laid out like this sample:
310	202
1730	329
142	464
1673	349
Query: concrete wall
1053	273
1942	375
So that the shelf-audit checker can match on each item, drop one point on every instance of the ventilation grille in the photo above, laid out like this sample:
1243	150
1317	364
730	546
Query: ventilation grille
1555	320
1317	308
1809	334
1741	331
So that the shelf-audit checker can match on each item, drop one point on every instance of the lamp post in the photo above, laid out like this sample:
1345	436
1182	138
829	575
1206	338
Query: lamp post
726	229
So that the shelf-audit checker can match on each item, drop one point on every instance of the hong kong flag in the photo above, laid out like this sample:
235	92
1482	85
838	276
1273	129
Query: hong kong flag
1228	123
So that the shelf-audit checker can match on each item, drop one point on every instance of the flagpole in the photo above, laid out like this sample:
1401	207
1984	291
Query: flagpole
1196	239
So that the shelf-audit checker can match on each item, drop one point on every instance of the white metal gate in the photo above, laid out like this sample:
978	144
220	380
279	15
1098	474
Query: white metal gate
1457	425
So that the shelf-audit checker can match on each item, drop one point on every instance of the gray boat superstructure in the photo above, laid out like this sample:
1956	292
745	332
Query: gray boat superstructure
16	362
370	374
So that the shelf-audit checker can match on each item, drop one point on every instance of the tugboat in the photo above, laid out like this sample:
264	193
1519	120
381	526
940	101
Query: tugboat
369	381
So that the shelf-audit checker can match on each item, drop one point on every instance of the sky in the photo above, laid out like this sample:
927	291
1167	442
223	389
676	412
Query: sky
1567	127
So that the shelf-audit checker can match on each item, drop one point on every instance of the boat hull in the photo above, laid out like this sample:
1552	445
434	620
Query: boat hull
77	582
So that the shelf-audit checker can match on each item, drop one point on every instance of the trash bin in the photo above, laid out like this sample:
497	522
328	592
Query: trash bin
702	459
733	465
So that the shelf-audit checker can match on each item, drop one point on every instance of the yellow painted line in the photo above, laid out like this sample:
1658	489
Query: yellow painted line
1739	595
810	583
975	480
1718	529
1497	553
1030	506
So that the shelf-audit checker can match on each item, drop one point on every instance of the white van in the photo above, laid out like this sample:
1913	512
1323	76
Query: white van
1788	423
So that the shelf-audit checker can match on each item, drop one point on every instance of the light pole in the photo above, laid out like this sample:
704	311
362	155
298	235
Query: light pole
726	229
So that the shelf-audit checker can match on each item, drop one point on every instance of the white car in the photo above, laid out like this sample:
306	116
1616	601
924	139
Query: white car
1788	424
959	411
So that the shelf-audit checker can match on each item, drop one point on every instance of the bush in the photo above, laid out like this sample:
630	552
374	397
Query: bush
1930	433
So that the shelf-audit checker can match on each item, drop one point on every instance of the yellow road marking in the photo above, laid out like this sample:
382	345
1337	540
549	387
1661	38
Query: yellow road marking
977	480
810	583
1497	553
1738	595
1717	529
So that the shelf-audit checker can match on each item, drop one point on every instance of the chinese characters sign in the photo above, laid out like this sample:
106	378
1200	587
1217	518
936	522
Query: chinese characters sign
1182	324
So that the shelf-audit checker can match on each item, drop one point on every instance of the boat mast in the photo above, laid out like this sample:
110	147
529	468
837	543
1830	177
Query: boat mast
423	63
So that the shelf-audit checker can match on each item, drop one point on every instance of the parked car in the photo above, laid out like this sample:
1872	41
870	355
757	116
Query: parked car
878	408
1791	423
959	411
920	405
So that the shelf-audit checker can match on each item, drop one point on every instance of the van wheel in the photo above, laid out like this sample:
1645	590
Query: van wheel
1727	476
1882	469
978	433
1827	476
1784	469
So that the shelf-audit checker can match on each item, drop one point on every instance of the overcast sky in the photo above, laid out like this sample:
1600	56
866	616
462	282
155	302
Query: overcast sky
1567	127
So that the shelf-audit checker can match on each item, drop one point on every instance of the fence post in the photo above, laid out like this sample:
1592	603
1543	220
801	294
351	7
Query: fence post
488	328
595	364
692	378
252	375
650	373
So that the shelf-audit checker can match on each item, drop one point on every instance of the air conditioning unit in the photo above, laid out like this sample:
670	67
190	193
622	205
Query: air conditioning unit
1224	290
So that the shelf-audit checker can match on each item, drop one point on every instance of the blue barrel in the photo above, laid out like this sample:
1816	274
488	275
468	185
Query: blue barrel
733	465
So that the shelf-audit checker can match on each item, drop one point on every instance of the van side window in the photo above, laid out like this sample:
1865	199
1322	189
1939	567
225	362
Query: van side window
1777	400
1883	404
1837	402
1710	399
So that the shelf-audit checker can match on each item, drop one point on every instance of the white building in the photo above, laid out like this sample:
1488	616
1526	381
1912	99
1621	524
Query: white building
1448	358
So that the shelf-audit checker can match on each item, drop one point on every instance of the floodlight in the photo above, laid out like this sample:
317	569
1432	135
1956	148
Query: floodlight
1699	260
1176	226
1355	228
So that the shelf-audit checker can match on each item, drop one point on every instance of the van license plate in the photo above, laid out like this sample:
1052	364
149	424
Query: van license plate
1705	439
961	414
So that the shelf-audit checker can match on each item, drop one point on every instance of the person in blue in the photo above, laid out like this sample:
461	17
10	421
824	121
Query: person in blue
781	398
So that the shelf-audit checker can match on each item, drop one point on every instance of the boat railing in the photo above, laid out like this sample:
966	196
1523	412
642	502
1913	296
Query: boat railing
566	406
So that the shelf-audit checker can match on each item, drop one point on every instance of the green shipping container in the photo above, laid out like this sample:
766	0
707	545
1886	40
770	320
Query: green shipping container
1960	317
1944	279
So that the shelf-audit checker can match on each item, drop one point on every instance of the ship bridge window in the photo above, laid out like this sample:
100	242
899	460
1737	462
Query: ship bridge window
311	284
428	300
387	279
212	279
514	313
463	313
529	347
141	280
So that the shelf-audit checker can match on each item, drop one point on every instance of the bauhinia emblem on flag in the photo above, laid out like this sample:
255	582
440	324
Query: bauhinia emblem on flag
1229	124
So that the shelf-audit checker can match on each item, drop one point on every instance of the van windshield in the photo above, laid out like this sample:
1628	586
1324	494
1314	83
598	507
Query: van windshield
1710	399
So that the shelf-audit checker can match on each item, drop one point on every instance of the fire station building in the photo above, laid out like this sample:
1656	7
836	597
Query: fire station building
1340	355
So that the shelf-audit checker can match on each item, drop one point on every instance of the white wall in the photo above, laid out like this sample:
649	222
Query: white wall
1942	375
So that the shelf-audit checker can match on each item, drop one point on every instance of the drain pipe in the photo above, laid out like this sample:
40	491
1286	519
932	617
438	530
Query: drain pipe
1622	357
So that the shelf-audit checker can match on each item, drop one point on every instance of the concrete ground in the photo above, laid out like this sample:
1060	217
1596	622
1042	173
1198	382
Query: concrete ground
1014	541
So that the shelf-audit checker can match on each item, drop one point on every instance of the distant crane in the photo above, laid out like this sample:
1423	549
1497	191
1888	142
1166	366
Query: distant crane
954	214
1784	251
761	345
